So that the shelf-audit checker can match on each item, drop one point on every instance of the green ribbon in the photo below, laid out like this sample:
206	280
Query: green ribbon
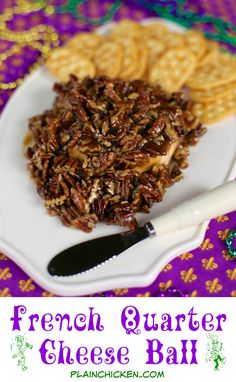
73	5
176	11
229	241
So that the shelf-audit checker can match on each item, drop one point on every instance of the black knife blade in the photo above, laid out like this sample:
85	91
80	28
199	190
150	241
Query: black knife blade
89	254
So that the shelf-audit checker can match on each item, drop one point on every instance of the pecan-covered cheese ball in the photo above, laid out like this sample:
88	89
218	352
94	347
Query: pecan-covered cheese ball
109	148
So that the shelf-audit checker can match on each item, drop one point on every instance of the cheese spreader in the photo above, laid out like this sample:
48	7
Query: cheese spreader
92	253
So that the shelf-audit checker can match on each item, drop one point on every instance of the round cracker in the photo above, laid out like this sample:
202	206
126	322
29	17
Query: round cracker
108	59
130	56
212	94
172	69
173	40
196	42
154	30
62	62
142	62
80	66
215	111
57	56
210	53
155	49
214	74
85	43
127	28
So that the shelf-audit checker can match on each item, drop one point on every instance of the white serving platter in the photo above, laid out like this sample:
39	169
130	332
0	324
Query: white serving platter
31	238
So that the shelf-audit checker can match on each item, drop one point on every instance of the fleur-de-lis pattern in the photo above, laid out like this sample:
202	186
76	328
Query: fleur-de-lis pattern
164	286
5	292
213	286
223	234
147	294
26	285
231	273
47	294
209	264
206	245
222	218
5	273
188	276
209	267
186	256
226	255
167	268
3	257
121	292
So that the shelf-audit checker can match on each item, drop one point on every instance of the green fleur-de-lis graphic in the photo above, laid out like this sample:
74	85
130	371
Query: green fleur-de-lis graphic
19	347
215	352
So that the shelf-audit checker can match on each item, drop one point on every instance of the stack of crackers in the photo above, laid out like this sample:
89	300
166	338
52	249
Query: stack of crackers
157	55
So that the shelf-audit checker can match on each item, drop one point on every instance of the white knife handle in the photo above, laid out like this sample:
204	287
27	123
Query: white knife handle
204	207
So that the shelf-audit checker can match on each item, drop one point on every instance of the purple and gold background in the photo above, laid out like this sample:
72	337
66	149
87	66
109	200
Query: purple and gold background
206	271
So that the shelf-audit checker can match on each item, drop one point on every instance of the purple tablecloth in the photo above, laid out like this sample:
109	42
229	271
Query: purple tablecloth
206	271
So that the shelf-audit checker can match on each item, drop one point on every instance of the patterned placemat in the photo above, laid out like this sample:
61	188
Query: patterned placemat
28	30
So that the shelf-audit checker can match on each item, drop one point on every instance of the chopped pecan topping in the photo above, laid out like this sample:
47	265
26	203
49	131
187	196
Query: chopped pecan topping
109	148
